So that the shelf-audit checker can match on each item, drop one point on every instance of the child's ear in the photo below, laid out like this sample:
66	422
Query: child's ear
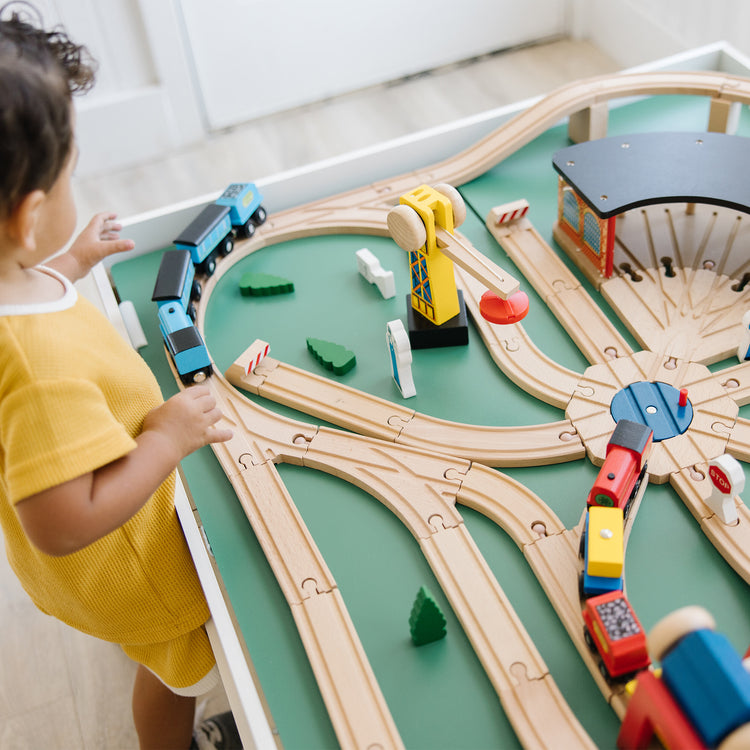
21	224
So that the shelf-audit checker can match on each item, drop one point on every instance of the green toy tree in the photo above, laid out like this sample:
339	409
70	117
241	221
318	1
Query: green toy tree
426	621
332	356
264	285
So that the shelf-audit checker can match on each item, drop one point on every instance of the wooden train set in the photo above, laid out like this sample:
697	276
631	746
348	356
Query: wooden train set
422	468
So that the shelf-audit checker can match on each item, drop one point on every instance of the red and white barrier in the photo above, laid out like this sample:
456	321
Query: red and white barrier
508	212
254	355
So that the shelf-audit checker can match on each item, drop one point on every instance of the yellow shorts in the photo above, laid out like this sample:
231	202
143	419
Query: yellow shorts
186	664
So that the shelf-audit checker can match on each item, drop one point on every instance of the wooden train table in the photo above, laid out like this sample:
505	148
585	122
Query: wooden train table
481	477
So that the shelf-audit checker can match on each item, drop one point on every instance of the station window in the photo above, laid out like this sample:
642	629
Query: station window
570	209
591	232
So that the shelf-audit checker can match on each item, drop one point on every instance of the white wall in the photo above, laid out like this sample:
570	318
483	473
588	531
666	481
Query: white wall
173	70
636	31
254	57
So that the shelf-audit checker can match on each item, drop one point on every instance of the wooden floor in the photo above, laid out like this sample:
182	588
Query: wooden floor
59	689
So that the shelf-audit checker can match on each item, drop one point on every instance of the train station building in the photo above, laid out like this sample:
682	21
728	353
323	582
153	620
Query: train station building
601	179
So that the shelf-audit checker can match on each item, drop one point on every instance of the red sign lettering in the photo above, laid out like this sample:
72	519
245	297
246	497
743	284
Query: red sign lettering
720	479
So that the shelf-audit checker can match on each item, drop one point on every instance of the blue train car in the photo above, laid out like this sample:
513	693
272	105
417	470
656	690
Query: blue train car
185	344
176	281
704	674
245	212
208	236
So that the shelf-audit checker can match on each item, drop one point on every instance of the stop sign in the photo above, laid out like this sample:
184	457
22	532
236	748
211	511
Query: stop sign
727	475
720	479
728	480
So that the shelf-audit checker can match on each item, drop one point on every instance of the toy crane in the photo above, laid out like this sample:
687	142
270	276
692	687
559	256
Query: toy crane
423	224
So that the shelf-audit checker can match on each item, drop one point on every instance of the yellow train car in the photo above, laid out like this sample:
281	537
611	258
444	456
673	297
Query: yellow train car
605	546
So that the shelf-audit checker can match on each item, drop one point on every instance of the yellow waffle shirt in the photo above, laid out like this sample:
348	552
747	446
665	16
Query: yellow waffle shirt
73	396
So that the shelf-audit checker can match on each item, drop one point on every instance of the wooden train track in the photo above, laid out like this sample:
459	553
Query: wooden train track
343	673
516	354
369	415
390	461
599	341
714	396
420	488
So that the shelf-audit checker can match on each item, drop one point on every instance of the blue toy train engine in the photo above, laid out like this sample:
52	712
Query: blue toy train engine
174	292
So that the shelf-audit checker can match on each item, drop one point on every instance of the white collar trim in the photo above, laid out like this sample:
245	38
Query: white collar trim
70	295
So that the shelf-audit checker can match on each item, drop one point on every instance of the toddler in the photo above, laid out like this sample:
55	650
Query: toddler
88	446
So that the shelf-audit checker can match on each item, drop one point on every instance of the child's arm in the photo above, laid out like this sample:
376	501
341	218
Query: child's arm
100	238
70	516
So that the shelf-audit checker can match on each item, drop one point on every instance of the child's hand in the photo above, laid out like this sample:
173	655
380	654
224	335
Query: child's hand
187	420
100	238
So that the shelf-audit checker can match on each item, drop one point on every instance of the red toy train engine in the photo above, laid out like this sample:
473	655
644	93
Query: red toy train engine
624	466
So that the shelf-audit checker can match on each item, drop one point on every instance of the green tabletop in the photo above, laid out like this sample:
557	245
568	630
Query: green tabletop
438	694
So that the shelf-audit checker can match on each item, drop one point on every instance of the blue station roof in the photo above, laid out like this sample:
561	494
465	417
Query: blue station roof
620	173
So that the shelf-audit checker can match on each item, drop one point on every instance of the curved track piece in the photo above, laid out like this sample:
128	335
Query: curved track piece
516	354
420	488
573	98
364	210
550	549
540	716
561	291
359	714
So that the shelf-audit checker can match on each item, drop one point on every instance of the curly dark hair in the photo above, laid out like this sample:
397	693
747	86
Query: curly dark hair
40	71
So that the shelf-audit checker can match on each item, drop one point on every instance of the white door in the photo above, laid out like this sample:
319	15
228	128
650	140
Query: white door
144	103
254	57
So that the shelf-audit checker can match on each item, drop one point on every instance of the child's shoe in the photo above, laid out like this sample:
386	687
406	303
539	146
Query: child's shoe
217	733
